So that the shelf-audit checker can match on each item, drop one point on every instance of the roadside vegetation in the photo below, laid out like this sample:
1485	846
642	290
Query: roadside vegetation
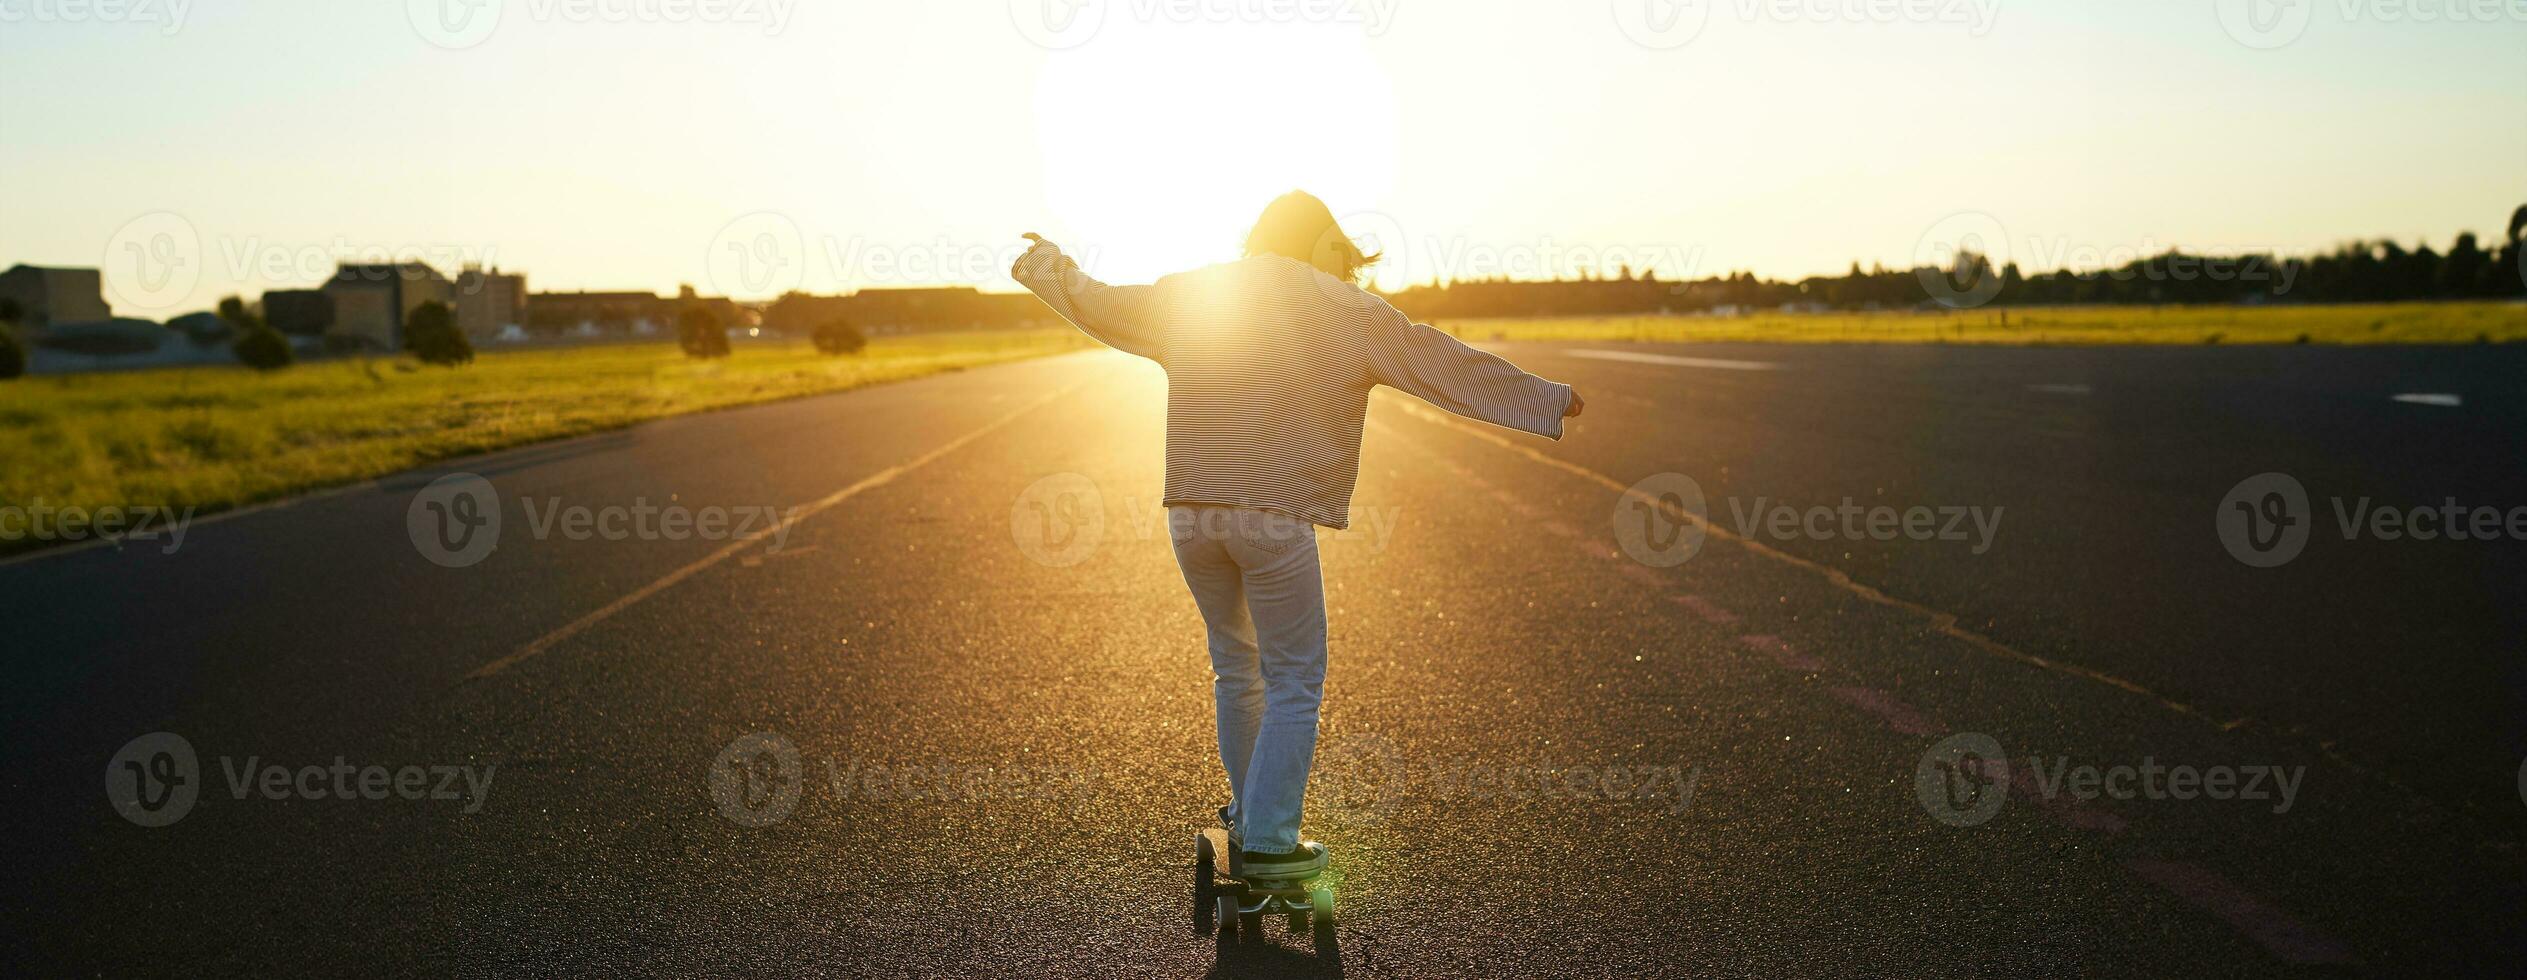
214	438
2392	323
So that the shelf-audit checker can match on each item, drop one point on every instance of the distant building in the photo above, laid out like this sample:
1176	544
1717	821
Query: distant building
299	312
49	296
371	302
908	310
625	314
595	314
489	302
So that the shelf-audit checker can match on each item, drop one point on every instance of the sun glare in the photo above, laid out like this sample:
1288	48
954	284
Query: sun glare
1161	146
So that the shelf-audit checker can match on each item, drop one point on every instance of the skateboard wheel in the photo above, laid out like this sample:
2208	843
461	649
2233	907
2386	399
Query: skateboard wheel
1322	902
1204	911
1226	909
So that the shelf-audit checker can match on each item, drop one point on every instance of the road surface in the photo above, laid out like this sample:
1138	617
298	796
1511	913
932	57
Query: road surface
903	682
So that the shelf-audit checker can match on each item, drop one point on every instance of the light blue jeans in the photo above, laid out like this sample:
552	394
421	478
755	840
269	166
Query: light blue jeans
1254	576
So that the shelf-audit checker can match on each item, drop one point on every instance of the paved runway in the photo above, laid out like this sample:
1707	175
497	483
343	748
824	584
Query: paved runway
903	682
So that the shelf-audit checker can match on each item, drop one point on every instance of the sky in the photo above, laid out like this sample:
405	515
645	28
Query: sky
199	148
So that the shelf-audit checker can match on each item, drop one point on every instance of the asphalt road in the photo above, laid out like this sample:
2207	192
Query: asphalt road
954	719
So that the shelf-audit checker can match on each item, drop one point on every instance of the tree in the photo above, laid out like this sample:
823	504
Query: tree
12	350
430	333
699	332
258	346
838	336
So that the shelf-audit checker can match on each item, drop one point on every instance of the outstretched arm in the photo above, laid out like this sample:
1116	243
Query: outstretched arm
1418	359
1125	318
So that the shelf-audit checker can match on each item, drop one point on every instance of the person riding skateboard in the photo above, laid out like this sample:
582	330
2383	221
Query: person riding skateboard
1270	361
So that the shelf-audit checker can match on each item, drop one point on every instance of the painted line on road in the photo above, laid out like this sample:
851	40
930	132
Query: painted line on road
1902	718
1780	651
1643	573
2276	930
2062	389
1711	612
1673	360
193	524
2286	937
2441	399
796	515
1943	623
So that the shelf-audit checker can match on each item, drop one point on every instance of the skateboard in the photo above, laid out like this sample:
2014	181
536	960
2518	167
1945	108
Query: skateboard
1235	905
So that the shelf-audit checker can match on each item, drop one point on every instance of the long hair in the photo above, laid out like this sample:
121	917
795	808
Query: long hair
1296	225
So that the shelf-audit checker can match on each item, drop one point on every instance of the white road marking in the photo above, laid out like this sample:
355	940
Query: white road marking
798	514
1716	363
2062	389
2439	398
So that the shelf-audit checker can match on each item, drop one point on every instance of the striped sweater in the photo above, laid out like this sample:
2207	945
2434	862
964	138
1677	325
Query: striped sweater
1269	367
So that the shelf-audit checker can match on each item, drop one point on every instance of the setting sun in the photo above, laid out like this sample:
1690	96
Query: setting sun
1160	145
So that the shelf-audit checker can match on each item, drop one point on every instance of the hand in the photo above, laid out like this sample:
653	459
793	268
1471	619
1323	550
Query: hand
1577	403
1016	268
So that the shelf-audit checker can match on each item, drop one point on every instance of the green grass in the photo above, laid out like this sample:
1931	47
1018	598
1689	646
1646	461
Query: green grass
217	438
2400	323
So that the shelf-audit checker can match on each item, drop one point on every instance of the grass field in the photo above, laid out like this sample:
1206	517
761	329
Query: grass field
211	439
2401	323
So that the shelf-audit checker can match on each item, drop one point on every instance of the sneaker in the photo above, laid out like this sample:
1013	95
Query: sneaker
1231	826
1302	863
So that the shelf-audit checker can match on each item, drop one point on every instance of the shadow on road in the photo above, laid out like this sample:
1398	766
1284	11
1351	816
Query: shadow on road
1267	958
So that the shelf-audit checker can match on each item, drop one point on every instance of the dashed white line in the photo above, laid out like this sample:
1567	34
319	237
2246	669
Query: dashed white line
2439	398
2285	936
801	513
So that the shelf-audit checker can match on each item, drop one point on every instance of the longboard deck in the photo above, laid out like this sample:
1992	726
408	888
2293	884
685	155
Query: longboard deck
1223	861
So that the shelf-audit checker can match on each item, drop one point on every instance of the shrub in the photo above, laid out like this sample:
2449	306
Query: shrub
12	353
431	334
699	332
840	337
262	348
258	346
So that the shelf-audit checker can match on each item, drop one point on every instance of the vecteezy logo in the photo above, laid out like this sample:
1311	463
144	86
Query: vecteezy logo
755	780
455	521
1661	521
1661	24
2264	520
153	261
2265	24
1373	233
453	24
1359	778
154	779
1960	257
1057	24
1963	780
1059	520
758	254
